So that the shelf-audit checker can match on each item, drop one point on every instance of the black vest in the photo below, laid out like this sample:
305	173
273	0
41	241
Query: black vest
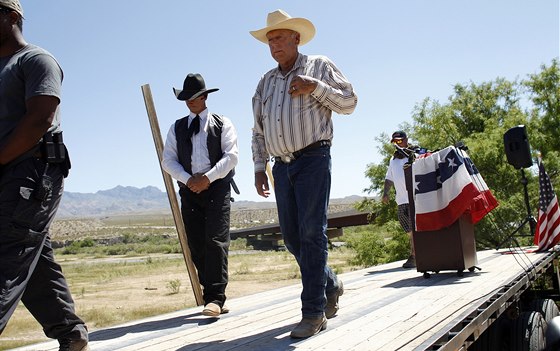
213	142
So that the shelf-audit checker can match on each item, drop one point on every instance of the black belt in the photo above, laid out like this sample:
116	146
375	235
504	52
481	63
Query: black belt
296	154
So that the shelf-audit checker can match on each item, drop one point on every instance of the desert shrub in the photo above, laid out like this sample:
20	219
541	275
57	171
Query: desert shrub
238	244
78	246
369	247
398	246
174	286
377	244
128	243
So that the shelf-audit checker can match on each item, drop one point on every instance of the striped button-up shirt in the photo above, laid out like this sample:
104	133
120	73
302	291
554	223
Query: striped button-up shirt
284	124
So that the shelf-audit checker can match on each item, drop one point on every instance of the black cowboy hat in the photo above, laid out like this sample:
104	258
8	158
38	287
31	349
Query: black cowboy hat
193	87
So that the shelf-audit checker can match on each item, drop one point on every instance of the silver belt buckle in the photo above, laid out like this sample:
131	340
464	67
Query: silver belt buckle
286	158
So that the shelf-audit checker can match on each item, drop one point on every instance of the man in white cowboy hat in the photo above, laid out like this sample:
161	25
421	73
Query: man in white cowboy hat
201	153
292	107
33	165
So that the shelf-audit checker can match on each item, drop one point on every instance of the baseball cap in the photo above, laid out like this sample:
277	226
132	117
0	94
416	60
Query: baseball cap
399	134
12	5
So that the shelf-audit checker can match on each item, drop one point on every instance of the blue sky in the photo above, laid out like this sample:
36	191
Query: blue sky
395	53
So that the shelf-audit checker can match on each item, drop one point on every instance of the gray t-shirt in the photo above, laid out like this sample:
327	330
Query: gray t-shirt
32	71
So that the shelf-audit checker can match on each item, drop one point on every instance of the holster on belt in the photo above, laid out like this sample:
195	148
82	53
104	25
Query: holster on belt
52	148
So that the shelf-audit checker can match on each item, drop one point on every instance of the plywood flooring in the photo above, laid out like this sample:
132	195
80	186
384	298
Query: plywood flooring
383	308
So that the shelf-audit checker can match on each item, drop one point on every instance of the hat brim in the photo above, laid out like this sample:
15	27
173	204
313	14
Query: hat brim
303	26
182	94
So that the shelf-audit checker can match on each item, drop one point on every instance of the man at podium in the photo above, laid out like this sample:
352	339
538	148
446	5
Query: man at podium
395	178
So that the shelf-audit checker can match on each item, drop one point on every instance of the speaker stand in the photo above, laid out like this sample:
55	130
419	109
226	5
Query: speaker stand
529	219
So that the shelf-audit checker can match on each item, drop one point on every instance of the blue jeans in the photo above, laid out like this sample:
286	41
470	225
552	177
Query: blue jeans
302	189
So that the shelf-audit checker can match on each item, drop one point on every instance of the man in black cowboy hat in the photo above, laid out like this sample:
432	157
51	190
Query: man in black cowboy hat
201	153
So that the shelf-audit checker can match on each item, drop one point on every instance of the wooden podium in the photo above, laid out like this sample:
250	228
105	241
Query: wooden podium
451	248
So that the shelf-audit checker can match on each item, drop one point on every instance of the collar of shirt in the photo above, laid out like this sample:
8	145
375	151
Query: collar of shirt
299	63
203	119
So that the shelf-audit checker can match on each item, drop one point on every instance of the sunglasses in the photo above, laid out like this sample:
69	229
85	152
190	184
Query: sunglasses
398	141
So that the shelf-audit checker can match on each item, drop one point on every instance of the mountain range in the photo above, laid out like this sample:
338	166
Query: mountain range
128	199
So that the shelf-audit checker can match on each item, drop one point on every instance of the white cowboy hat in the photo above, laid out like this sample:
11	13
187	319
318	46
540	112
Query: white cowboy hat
13	5
281	20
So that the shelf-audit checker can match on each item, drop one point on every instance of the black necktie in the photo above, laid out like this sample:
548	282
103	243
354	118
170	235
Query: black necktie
194	128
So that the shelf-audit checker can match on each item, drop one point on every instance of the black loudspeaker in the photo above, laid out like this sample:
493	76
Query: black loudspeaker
518	150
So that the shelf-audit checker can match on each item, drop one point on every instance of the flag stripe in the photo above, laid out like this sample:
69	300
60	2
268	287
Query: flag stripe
551	225
482	205
547	234
449	214
446	186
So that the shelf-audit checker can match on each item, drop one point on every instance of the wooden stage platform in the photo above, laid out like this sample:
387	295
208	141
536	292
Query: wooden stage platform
383	308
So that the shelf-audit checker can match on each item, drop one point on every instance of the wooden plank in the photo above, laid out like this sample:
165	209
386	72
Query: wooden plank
331	234
182	233
383	308
349	219
334	220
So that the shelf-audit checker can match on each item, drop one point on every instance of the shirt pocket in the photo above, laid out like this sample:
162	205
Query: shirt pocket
267	109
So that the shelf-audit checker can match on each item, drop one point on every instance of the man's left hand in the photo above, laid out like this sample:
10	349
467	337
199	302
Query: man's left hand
302	85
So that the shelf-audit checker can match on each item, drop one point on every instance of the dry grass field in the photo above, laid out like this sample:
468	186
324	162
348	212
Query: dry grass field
110	290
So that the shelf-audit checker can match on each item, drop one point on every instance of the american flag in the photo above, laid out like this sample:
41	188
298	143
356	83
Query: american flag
446	186
548	224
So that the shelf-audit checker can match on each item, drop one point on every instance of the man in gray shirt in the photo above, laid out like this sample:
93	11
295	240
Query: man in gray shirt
33	165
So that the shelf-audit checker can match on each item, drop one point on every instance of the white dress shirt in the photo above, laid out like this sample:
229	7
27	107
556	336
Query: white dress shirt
200	160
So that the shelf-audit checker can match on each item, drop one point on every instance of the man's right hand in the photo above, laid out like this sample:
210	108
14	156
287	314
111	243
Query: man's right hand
261	183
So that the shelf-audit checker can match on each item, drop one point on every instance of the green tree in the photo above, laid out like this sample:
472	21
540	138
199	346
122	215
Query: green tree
544	92
479	115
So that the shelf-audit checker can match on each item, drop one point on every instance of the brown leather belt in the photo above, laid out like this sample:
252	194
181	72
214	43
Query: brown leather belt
295	155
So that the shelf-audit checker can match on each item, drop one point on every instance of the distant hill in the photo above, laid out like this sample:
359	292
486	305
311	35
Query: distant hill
128	199
121	199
